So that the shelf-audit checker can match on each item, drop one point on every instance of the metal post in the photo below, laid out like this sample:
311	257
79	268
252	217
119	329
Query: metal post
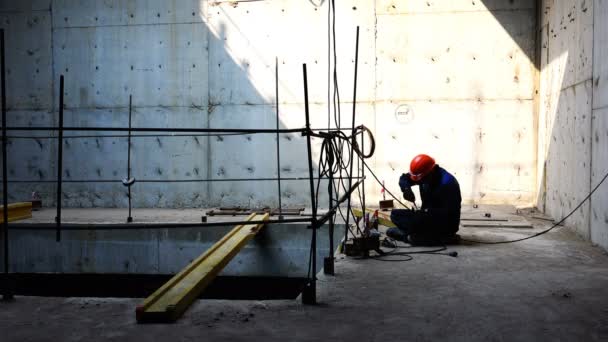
328	264
362	176
278	139
7	289
59	161
350	175
309	296
129	218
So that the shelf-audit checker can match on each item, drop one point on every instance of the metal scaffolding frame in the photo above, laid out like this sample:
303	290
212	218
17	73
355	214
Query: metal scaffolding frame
309	293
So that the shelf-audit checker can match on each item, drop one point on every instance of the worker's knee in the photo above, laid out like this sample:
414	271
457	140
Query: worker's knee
399	214
402	217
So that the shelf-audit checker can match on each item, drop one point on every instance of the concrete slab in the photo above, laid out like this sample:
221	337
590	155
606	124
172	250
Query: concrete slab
493	162
417	54
247	34
599	168
74	13
25	5
569	156
571	33
222	61
450	6
29	64
599	158
160	65
600	52
281	251
566	108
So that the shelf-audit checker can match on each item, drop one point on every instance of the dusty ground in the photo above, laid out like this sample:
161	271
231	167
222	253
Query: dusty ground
554	287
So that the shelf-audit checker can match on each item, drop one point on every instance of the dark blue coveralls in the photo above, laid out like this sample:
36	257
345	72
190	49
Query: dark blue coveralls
438	219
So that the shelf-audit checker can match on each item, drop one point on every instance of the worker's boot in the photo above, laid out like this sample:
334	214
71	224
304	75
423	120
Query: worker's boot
397	234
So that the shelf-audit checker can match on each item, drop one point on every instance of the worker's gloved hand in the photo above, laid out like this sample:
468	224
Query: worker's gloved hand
408	194
404	182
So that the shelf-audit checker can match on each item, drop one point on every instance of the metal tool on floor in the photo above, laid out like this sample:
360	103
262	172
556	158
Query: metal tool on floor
369	240
170	301
384	203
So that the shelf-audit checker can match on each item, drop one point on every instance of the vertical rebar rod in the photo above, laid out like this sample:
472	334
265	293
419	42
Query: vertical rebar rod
59	160
363	177
313	246
7	291
352	162
329	261
331	220
276	72
129	218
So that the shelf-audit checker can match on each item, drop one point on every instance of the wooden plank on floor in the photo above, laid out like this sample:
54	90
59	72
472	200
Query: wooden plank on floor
170	301
17	211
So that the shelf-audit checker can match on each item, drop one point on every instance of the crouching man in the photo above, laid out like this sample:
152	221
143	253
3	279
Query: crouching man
438	219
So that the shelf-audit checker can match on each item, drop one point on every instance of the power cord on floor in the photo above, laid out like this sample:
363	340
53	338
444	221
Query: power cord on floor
548	229
408	255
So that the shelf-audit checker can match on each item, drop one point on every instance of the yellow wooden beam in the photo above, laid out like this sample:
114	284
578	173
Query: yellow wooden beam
17	211
384	217
172	299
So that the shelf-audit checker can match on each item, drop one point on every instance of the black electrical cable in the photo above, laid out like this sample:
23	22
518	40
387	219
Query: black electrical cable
385	189
548	229
344	163
332	158
372	148
331	161
382	255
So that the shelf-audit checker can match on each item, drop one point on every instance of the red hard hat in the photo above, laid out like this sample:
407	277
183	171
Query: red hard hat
421	166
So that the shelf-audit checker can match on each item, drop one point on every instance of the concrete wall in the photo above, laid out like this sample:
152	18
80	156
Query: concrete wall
572	132
279	250
465	71
599	129
453	79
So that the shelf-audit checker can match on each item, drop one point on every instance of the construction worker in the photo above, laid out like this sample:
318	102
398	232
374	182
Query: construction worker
438	219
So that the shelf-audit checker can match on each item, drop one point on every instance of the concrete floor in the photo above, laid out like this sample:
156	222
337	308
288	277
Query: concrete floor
554	287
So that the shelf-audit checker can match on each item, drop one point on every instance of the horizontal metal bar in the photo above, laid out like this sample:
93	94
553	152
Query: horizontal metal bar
344	197
159	129
177	180
127	226
140	135
333	129
126	136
